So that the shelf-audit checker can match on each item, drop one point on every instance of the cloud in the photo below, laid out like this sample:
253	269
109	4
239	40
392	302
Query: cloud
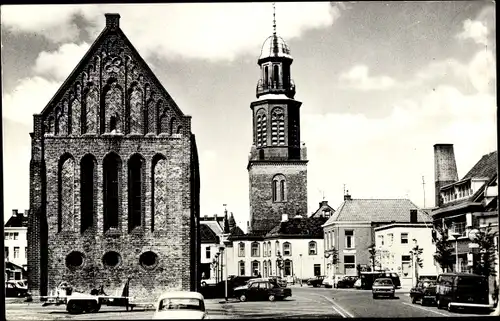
214	31
59	64
475	30
358	78
29	97
398	147
481	71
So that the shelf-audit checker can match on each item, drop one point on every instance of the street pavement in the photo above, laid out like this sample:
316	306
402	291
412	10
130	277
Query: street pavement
306	302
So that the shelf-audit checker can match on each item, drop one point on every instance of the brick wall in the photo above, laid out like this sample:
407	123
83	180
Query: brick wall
112	103
266	214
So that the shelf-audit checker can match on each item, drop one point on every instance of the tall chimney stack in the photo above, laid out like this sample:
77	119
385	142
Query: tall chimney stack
445	169
112	20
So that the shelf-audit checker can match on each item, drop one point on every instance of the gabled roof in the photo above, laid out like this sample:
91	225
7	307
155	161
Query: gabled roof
377	210
108	31
310	227
207	235
485	167
323	206
214	226
17	221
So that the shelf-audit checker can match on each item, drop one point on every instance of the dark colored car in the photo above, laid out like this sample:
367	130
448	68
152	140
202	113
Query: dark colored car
462	290
262	290
383	287
347	282
316	281
239	280
424	291
12	289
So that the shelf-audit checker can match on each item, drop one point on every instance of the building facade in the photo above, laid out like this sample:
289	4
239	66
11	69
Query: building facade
16	245
351	230
470	203
395	244
114	179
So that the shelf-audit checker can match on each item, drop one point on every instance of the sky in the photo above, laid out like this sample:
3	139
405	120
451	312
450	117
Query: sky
380	83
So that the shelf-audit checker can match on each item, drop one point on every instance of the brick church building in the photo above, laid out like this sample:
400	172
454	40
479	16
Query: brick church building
114	179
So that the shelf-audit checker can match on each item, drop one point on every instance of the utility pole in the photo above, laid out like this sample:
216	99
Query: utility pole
423	186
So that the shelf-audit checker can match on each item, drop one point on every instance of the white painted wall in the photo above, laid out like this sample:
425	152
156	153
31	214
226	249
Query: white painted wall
392	252
302	264
21	243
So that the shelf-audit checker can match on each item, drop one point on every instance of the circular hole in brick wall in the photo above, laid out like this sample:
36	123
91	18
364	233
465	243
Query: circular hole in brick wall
111	259
148	260
74	259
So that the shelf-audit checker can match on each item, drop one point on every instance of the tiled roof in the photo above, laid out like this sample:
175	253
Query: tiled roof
207	235
377	210
323	206
237	231
307	227
486	167
17	221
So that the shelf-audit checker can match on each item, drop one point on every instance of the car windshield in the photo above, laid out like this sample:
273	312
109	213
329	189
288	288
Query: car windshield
383	282
181	304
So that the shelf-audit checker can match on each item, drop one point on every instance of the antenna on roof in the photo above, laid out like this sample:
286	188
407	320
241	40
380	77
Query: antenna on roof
274	18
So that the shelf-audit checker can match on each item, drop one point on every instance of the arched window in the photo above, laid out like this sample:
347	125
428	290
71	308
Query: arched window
261	129
135	191
111	179
135	111
158	191
279	188
269	248
278	127
66	193
269	266
287	249
287	268
241	249
313	248
88	178
255	248
111	105
266	76
264	265
264	249
90	111
255	268
277	244
242	267
276	76
172	126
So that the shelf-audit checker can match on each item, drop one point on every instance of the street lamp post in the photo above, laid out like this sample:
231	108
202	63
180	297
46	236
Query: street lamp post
301	277
456	235
224	243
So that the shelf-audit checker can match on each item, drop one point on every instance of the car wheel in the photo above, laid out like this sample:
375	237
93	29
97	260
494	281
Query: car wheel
413	300
74	308
203	284
93	307
374	296
272	297
439	303
243	298
450	307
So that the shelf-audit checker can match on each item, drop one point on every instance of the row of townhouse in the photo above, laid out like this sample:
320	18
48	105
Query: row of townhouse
16	245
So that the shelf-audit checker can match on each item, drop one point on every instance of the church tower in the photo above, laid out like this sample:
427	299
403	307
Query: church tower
277	164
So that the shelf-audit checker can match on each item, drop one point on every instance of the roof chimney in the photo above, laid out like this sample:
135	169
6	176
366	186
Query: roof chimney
445	169
112	20
347	197
323	203
26	213
413	216
205	217
284	217
14	213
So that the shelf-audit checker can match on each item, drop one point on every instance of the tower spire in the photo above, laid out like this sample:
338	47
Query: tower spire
274	18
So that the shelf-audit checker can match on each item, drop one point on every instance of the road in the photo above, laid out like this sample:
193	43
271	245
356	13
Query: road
306	302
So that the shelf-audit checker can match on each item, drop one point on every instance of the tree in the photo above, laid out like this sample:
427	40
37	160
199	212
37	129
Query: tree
373	255
417	259
443	255
486	241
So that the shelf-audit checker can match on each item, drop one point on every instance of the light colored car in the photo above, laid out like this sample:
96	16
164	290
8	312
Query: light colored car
180	305
383	287
210	281
328	282
357	284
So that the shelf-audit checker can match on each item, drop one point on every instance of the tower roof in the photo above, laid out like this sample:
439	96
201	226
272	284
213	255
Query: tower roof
275	46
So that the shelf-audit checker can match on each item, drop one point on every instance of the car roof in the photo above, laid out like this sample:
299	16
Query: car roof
181	295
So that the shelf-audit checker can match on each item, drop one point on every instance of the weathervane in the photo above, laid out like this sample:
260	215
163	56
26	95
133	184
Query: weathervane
274	18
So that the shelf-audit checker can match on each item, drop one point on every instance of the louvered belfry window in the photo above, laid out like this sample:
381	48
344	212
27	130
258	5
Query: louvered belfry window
278	127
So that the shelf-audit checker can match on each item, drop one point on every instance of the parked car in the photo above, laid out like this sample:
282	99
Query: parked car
209	281
262	290
316	281
346	282
367	278
424	291
249	282
328	282
357	284
462	290
14	289
239	280
180	305
383	287
278	279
